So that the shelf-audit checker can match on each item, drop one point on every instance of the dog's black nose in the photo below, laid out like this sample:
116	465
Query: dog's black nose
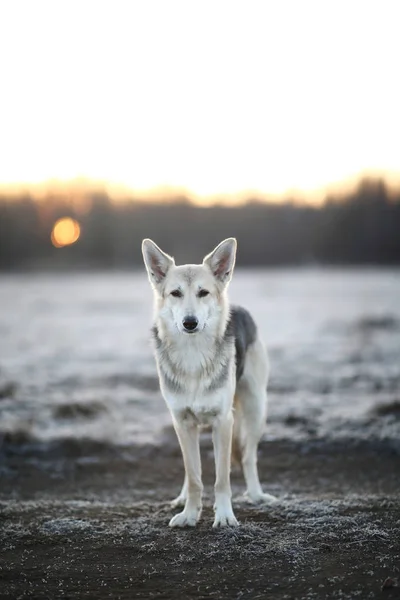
190	323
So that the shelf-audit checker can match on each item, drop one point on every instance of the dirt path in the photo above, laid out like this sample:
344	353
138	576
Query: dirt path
90	521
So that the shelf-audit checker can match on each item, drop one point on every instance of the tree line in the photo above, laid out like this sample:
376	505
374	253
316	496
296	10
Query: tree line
359	229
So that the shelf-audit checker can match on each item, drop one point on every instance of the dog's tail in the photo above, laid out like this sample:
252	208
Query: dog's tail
237	451
236	455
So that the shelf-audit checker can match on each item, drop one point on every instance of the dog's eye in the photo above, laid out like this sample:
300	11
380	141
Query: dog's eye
203	293
176	293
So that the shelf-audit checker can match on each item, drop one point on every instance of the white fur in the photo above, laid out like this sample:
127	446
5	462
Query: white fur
189	360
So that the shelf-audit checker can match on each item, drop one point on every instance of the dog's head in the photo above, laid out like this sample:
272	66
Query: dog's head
190	298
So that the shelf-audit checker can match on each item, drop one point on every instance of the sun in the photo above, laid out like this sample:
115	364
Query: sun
65	231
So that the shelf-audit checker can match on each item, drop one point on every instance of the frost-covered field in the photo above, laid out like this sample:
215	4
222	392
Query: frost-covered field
76	359
89	462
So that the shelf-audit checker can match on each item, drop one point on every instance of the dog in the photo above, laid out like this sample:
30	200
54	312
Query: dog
213	371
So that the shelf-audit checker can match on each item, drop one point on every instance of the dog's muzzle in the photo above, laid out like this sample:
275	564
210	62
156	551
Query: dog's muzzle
190	324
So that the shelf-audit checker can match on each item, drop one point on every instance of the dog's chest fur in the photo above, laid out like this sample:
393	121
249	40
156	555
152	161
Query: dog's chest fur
198	373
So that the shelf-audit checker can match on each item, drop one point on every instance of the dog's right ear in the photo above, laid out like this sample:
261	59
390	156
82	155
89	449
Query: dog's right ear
156	261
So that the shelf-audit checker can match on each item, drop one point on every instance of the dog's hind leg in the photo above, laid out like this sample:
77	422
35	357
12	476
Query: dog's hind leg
188	436
250	417
181	499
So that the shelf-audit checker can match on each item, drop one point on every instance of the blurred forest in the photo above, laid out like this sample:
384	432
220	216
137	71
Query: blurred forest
361	228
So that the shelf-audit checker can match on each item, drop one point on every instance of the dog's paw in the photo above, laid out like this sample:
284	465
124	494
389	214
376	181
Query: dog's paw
260	498
186	518
179	501
225	518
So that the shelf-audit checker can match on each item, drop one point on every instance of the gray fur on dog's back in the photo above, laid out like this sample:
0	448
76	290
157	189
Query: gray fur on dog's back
242	327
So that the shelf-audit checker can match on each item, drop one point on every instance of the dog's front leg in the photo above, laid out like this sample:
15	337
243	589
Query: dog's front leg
188	436
222	439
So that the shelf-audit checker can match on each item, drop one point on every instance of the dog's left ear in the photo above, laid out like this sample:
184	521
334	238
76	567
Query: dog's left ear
222	260
157	262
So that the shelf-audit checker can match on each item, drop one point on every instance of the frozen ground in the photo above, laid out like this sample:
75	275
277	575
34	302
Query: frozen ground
88	460
75	355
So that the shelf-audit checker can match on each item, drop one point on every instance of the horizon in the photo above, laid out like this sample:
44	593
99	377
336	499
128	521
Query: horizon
82	188
222	101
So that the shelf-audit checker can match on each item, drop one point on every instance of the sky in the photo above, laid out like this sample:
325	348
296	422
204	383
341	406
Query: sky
213	97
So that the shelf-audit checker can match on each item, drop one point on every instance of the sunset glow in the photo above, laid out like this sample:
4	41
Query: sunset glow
213	98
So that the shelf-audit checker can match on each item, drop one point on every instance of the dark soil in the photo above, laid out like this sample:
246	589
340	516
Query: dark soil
89	520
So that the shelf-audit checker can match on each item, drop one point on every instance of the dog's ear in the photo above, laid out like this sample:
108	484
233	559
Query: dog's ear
222	260
156	261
